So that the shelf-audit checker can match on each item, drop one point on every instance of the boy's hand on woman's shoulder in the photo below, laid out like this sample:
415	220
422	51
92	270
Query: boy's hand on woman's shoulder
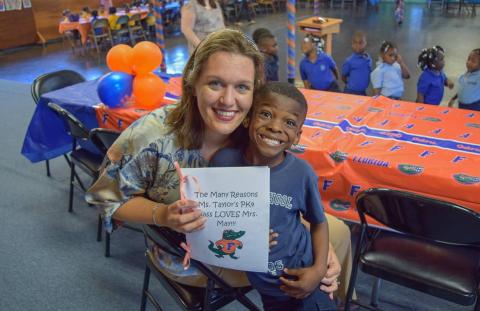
301	282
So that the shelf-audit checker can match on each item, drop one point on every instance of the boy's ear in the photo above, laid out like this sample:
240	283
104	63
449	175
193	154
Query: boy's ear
246	122
297	139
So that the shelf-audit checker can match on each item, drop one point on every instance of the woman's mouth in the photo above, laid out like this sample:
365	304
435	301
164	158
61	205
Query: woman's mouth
224	115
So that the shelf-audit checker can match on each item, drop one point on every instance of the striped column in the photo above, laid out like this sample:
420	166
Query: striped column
316	7
291	41
160	38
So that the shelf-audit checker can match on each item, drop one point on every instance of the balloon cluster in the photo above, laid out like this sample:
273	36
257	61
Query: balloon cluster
132	72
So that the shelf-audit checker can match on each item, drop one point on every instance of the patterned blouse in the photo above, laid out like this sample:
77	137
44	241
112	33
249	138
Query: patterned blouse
146	168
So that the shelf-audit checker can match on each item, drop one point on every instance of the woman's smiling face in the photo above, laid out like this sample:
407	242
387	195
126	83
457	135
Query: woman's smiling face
224	92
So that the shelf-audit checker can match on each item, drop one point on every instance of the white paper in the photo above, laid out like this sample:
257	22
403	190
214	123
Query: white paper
236	199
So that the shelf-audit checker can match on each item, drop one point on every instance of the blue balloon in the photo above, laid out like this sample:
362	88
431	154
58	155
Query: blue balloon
115	88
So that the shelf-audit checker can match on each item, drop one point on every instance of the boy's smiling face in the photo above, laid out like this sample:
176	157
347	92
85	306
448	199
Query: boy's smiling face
275	125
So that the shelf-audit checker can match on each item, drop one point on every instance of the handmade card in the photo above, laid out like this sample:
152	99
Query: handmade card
236	201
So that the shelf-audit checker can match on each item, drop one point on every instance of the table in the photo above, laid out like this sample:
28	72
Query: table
352	142
325	30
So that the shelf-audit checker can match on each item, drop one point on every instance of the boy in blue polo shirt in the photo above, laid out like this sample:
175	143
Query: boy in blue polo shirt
299	256
317	69
469	92
267	44
357	68
433	80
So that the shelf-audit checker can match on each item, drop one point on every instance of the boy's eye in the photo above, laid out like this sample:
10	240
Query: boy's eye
291	123
265	114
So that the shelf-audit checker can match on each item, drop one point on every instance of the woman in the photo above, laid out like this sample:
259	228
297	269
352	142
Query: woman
200	18
141	184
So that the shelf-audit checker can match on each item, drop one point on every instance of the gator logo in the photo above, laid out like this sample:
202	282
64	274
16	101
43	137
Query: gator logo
343	107
410	169
432	119
374	109
475	125
339	205
466	180
338	156
298	149
228	245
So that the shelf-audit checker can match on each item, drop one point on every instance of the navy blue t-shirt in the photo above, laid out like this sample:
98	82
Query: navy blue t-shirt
320	73
431	84
357	69
271	67
293	191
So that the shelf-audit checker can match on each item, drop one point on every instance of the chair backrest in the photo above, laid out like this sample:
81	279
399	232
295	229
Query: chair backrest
123	21
100	23
420	216
103	138
136	18
54	81
76	128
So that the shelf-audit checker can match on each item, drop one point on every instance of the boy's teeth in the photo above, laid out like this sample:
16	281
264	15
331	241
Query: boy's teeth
271	142
225	113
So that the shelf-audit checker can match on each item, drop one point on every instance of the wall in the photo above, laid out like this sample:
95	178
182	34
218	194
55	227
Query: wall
12	35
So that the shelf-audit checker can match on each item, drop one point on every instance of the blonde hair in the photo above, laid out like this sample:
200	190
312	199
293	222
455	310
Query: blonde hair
185	120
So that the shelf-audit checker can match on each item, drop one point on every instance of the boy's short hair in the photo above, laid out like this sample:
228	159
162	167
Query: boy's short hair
359	34
285	89
260	35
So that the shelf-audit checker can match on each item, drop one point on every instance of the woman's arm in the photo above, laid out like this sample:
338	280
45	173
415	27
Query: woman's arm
452	100
182	216
187	23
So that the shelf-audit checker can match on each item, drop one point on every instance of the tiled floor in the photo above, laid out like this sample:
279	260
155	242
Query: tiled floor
422	27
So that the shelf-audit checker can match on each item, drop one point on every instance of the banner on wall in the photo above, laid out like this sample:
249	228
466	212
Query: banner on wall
11	5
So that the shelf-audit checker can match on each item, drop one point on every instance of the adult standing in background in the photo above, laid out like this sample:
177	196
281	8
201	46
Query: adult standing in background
199	19
106	4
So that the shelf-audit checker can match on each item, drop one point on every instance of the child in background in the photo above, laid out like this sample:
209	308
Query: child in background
432	80
85	13
387	77
317	69
94	17
112	18
469	92
267	44
299	256
101	11
357	68
399	11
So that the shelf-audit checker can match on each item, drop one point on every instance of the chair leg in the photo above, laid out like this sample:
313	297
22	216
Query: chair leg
72	177
107	244
47	162
99	228
146	281
76	175
375	292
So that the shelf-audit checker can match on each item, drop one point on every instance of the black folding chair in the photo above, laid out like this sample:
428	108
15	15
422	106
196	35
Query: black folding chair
103	139
88	161
50	82
215	295
434	248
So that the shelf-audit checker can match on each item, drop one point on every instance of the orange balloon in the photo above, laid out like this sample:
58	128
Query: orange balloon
148	90
120	58
147	56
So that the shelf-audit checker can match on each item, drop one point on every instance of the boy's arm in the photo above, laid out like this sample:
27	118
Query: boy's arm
420	98
449	83
335	73
345	71
452	100
307	84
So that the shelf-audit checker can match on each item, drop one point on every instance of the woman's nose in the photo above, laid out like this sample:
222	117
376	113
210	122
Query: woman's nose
228	96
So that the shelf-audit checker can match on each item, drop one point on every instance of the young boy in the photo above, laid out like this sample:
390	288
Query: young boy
318	70
357	68
267	44
299	259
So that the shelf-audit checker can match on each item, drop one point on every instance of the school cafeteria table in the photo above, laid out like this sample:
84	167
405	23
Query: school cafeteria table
352	142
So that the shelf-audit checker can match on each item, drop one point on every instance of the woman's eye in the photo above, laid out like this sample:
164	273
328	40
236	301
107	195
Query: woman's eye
243	88
215	84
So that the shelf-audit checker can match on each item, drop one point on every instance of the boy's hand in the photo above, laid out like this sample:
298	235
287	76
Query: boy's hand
272	239
451	102
303	282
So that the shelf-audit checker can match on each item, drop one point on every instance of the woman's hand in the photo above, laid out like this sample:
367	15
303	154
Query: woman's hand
184	216
303	283
329	283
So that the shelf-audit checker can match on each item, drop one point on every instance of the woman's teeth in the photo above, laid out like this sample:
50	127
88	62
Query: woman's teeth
225	113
